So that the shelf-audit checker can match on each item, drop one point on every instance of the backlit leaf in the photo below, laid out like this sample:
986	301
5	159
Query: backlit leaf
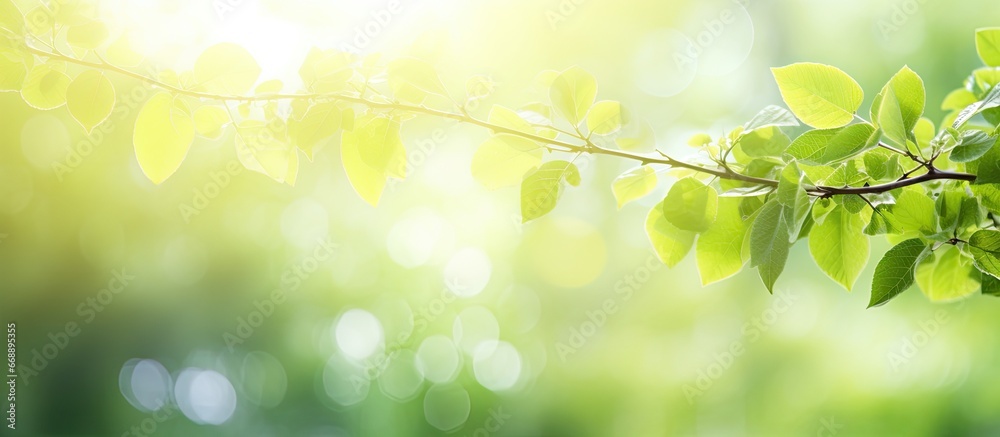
163	133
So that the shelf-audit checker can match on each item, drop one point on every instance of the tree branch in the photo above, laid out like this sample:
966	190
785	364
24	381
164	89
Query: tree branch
552	144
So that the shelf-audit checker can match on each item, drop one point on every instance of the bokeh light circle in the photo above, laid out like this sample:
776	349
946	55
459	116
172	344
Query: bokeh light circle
145	383
344	382
264	381
474	326
358	333
412	241
447	407
205	397
438	359
497	365
400	379
467	272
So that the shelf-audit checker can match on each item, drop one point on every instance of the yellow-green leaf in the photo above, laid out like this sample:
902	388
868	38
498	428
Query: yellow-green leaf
839	247
226	68
606	118
209	121
326	71
634	184
263	147
381	147
541	189
947	274
988	45
503	160
320	122
573	93
822	96
90	99
163	133
506	117
670	244
45	87
691	205
369	183
719	250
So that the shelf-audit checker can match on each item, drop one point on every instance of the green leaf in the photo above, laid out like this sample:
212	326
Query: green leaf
850	141
899	105
634	184
825	146
880	223
792	196
416	73
670	244
881	164
541	188
985	248
992	100
890	119
769	243
970	217
973	145
503	160
948	209
822	96
719	249
699	140
45	87
847	174
606	118
209	121
990	285
90	99
988	45
691	205
914	211
163	133
894	273
573	93
769	141
226	68
839	246
322	121
771	116
958	99
946	274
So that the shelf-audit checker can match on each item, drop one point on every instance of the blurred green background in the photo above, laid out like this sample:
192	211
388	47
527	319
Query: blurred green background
562	327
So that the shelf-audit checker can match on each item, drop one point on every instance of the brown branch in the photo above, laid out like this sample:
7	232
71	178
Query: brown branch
932	175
